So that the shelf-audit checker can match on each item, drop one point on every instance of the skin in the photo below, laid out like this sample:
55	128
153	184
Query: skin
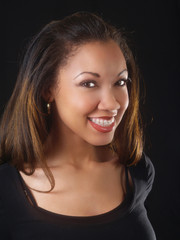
87	180
73	103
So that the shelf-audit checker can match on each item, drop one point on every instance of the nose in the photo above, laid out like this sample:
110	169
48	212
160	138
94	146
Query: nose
108	101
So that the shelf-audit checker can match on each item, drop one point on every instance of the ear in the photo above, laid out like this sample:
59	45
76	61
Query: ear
48	94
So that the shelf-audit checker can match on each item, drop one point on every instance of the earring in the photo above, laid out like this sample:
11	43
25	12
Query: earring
49	108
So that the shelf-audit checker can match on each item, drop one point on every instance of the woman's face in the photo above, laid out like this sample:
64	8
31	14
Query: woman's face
91	95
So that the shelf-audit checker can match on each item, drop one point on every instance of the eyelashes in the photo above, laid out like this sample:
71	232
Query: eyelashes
93	84
122	82
88	84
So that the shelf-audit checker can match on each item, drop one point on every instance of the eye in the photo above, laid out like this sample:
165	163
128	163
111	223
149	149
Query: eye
88	84
122	82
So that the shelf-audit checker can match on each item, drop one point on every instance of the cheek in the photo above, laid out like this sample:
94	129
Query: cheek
124	103
75	103
124	99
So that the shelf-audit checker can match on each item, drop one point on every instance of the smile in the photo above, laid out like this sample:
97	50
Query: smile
102	124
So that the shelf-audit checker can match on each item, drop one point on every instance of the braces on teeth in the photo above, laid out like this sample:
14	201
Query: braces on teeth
101	122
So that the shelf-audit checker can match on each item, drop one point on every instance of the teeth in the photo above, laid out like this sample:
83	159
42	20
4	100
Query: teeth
101	122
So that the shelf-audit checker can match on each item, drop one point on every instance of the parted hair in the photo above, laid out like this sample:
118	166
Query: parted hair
25	124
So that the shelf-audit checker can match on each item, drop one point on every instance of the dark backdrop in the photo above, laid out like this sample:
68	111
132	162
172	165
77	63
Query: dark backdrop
154	29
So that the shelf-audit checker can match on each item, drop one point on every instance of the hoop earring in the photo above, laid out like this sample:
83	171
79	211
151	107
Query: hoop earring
49	108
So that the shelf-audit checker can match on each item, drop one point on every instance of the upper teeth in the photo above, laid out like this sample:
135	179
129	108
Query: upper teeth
102	122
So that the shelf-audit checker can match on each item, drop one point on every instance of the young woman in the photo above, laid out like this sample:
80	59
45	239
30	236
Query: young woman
72	161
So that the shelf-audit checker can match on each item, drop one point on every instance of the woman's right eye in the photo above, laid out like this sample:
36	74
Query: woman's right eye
88	84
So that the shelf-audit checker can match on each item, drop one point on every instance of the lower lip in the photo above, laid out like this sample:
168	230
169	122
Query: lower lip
102	129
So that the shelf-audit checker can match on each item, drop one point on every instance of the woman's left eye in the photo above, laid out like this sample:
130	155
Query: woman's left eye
121	82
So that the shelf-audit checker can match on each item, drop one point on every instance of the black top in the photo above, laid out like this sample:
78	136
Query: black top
21	220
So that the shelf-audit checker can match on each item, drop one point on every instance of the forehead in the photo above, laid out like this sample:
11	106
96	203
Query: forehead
96	56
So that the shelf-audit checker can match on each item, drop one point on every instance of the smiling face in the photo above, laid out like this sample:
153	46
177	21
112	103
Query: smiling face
91	95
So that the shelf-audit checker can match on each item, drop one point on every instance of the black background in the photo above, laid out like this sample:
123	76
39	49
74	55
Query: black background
154	29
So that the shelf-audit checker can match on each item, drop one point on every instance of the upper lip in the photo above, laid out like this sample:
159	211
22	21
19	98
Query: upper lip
105	117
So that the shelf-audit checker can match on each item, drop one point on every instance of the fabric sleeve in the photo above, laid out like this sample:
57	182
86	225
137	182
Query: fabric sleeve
148	176
4	221
150	173
4	230
143	174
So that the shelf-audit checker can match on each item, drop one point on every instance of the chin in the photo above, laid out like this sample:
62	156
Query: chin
101	141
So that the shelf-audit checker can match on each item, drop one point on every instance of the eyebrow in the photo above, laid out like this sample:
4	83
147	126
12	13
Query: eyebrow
97	74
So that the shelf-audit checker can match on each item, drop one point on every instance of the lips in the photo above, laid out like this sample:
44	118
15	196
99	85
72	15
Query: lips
102	124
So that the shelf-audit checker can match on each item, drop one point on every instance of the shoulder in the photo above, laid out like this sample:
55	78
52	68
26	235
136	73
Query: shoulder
8	178
145	168
4	167
142	175
6	196
6	170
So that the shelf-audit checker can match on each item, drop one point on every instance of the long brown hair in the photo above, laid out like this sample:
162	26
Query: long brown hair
25	124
